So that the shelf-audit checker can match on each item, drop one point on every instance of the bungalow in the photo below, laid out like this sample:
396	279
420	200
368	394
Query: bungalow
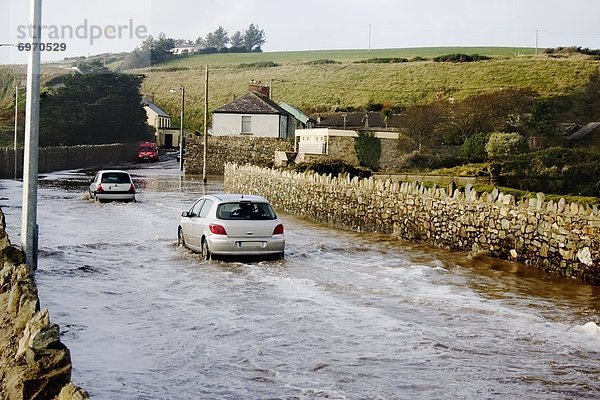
165	135
253	114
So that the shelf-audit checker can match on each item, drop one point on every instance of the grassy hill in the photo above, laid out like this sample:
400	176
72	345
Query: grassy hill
319	81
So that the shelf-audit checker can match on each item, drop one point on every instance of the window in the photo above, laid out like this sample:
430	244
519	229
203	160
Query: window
195	211
206	208
246	124
245	210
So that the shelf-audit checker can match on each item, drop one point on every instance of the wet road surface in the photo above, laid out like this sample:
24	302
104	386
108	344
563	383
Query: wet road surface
343	316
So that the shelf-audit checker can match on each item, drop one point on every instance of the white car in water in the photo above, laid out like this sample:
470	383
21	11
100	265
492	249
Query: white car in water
232	225
112	184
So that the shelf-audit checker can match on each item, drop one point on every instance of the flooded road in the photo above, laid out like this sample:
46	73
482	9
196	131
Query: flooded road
343	316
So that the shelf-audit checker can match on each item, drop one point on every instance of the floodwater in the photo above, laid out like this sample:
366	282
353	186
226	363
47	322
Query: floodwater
343	316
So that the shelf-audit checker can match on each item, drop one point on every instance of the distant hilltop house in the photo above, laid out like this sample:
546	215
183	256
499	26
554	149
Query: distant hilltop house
165	135
185	49
254	114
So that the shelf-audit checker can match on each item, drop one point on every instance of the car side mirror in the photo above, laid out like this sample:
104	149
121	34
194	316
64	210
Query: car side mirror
185	214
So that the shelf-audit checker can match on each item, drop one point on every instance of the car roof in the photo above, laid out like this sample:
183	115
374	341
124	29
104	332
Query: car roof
103	171
226	197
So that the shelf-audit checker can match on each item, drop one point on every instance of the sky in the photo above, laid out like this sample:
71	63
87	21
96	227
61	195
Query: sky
84	27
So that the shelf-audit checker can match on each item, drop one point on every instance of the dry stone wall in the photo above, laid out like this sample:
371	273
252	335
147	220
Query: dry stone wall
67	157
241	150
556	236
34	364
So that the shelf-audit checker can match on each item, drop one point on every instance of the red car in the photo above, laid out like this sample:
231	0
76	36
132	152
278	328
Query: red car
147	152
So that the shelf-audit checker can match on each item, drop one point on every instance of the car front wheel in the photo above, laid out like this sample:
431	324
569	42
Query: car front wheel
180	238
205	251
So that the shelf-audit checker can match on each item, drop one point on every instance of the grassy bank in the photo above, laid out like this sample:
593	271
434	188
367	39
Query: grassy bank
305	80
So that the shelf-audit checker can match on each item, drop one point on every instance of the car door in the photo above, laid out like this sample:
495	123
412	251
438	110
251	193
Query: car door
201	223
190	225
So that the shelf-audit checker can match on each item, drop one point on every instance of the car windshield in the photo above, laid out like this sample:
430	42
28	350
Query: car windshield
146	148
115	177
245	210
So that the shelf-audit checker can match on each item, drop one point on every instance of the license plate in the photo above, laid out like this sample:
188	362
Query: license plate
250	244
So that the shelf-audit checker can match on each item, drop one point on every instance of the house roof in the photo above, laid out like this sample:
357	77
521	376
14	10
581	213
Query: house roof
357	119
583	132
252	103
159	111
295	111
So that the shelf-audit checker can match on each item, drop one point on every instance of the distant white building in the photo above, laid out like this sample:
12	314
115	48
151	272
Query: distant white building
253	114
165	135
319	140
185	49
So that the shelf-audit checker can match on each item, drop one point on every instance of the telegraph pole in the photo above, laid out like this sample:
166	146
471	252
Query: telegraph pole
29	228
181	134
16	126
205	125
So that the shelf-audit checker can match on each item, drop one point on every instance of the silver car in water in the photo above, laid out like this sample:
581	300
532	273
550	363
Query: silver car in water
232	225
112	184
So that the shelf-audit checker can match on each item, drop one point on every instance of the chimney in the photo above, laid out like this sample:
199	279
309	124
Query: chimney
258	87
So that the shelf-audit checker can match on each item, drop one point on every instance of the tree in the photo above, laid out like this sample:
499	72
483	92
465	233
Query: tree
217	39
488	112
160	49
94	109
420	124
502	145
254	38
237	40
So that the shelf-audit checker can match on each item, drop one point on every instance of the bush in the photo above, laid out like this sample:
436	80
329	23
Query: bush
368	149
473	149
260	64
417	160
322	62
456	58
383	60
501	145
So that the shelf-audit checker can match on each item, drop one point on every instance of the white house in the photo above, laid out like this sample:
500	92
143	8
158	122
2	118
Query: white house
253	114
165	135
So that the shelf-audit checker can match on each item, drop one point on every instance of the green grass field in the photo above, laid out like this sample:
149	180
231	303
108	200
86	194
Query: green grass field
302	79
325	87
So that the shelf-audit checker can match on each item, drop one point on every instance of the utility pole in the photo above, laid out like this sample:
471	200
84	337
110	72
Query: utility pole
205	126
536	41
16	126
271	89
181	134
29	228
369	37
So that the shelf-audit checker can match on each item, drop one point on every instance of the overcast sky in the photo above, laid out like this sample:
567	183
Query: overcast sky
305	25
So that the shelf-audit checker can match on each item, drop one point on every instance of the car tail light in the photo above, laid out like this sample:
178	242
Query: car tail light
99	188
278	230
217	229
131	189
